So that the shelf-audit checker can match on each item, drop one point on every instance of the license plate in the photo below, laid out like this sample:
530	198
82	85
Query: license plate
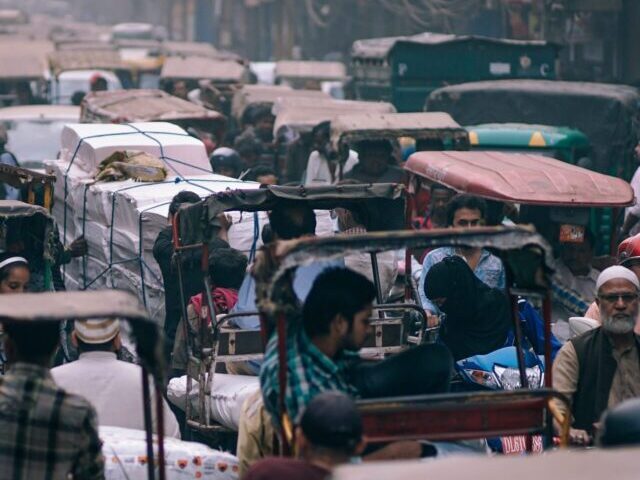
518	444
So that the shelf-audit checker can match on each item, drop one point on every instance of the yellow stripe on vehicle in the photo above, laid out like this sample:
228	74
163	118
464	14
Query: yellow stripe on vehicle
537	140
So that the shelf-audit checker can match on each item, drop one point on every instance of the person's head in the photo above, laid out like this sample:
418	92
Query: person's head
226	161
180	89
374	156
227	268
14	273
263	174
578	256
338	307
263	121
182	198
98	83
440	197
617	297
629	254
290	219
465	210
330	429
249	148
77	97
31	342
100	335
621	425
4	137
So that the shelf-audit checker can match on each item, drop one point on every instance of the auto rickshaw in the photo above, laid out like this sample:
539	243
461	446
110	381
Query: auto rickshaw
312	75
36	188
217	79
195	225
125	106
526	256
64	306
613	132
296	118
558	198
22	61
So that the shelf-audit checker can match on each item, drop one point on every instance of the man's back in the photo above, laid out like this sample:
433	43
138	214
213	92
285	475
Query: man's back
113	387
44	431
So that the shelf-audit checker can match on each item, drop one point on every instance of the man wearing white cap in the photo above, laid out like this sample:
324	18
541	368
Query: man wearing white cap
601	368
112	386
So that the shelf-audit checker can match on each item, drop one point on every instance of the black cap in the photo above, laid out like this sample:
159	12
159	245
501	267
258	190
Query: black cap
332	420
621	424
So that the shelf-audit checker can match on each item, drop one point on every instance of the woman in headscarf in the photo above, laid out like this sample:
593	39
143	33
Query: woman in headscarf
14	273
477	318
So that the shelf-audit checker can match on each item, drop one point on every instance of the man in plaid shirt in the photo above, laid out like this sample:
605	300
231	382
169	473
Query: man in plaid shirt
45	433
322	351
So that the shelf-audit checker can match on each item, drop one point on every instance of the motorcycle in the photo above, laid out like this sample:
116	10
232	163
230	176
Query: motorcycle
498	370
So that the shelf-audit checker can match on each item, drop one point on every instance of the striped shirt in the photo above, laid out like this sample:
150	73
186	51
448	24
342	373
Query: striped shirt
46	433
309	372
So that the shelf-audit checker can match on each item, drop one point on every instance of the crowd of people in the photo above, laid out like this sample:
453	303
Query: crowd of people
463	291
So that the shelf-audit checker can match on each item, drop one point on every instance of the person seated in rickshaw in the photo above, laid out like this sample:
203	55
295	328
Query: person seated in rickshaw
287	221
323	166
259	129
322	352
573	283
463	211
376	163
477	317
227	267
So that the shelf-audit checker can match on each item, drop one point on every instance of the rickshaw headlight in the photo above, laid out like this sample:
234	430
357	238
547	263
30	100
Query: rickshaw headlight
509	378
481	377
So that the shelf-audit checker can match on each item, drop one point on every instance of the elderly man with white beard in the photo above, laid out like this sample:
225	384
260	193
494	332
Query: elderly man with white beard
601	368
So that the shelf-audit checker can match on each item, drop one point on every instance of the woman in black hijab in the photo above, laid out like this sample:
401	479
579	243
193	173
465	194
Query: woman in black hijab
477	318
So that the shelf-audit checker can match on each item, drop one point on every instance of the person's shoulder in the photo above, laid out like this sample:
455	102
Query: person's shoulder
438	254
284	468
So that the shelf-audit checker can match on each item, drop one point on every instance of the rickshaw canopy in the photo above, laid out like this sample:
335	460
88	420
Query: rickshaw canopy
521	178
123	106
365	126
302	114
21	67
310	70
203	68
600	463
195	219
42	224
268	95
65	60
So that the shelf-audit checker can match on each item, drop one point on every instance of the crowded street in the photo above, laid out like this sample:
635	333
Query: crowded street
319	239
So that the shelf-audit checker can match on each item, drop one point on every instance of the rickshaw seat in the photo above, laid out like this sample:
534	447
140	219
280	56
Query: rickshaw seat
458	416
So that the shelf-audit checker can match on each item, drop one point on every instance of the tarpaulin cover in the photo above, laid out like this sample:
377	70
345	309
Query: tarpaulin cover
607	114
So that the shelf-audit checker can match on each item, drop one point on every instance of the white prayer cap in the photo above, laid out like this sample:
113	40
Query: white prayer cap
97	331
617	272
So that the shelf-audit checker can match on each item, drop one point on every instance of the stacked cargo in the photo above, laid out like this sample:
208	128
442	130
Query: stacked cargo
120	220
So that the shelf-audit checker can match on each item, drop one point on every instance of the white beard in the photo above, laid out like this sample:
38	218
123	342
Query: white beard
619	324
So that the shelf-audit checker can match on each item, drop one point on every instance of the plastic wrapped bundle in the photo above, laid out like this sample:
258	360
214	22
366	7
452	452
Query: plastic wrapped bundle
125	453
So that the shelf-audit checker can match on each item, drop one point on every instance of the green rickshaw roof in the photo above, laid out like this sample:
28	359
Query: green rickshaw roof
522	135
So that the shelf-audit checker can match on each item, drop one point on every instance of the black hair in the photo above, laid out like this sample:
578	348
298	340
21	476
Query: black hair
77	97
290	219
438	186
336	291
181	198
227	268
260	111
259	170
230	160
35	342
464	200
323	128
6	270
94	347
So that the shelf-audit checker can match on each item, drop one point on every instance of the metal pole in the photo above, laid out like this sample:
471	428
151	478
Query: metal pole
162	474
546	313
376	277
148	423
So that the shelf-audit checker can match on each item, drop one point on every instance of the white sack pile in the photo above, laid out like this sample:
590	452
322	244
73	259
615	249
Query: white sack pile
125	455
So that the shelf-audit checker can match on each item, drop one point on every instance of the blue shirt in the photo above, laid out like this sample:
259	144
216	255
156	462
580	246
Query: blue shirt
489	269
302	283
